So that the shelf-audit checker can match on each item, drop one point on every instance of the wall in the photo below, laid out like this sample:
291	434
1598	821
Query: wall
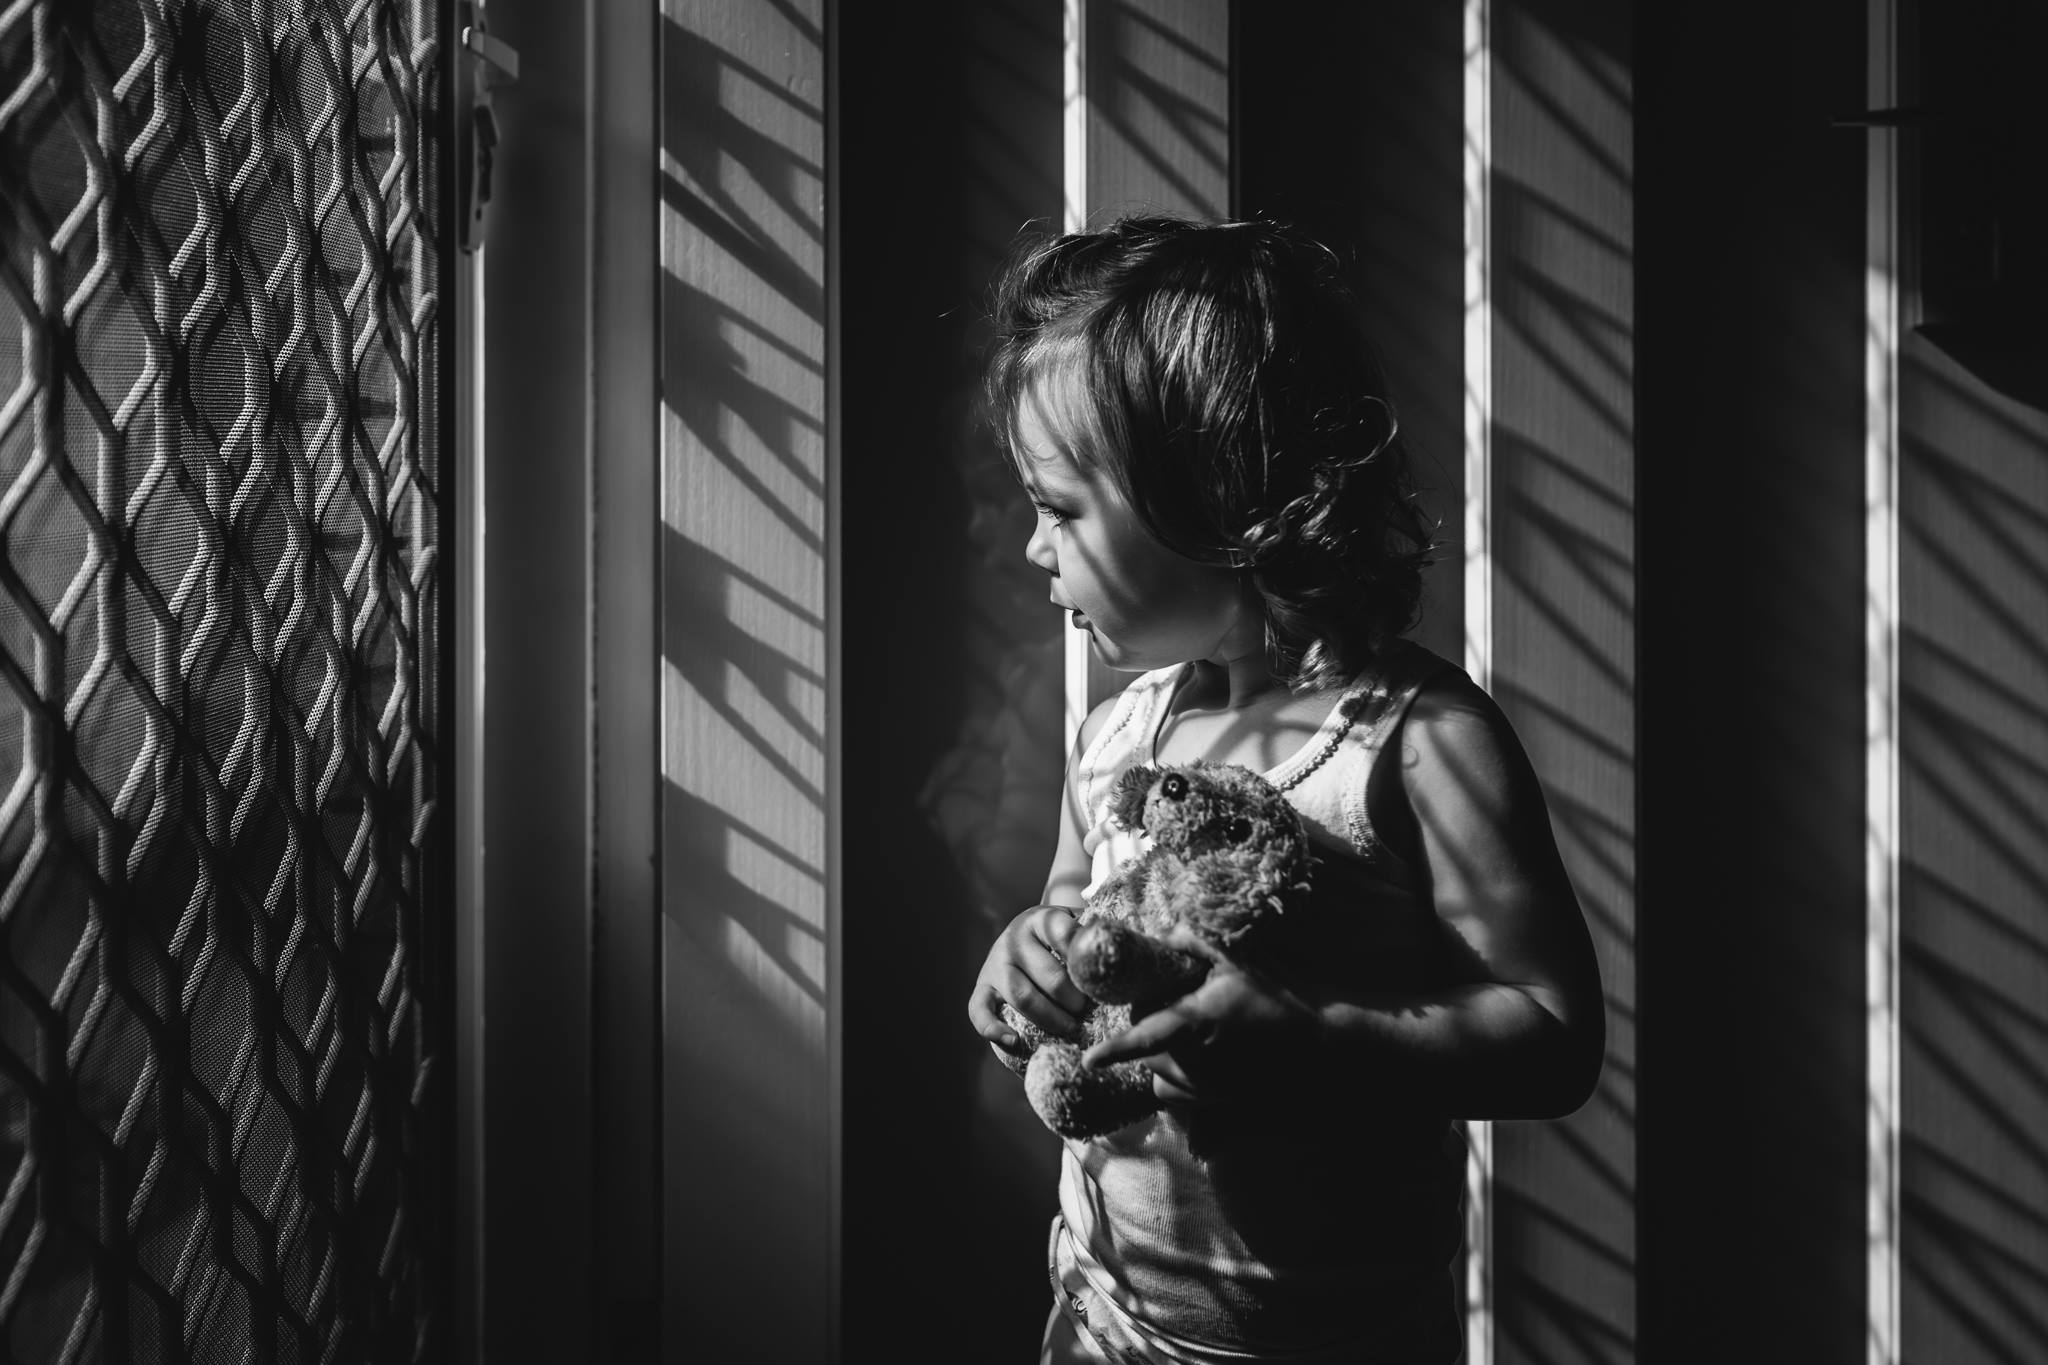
1565	618
748	715
1974	785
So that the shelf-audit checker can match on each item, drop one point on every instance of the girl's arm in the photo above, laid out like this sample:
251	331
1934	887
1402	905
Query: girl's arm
1528	1039
1071	866
1021	968
1524	1040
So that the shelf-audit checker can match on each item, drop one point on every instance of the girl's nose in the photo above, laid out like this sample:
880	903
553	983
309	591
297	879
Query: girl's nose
1039	549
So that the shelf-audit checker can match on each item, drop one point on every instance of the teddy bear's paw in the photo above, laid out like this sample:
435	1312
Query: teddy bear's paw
1078	1103
1114	962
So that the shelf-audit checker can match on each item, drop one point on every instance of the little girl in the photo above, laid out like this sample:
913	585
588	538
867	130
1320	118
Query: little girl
1225	509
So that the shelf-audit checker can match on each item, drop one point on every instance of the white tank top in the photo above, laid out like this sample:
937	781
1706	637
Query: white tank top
1327	775
1316	1230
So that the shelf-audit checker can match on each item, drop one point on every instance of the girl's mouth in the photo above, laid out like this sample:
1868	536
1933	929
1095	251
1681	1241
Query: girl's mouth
1080	620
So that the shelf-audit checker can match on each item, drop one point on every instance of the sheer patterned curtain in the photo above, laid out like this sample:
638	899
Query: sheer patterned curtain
222	880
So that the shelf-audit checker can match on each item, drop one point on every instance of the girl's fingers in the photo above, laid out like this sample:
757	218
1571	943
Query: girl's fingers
1058	928
1049	974
1032	1001
1027	971
1147	1038
985	1012
1045	951
1170	1082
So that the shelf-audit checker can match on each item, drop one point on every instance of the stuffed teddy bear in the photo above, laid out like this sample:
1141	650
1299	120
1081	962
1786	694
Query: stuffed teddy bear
1225	851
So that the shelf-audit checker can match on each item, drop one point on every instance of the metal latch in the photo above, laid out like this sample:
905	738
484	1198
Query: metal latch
496	63
500	56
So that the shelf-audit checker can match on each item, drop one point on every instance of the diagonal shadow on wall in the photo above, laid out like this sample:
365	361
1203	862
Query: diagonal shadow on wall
1973	672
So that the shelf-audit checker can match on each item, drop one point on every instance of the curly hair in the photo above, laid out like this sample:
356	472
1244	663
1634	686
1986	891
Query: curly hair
1227	388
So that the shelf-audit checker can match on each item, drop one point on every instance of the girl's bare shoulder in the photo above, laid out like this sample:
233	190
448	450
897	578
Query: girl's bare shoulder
1449	707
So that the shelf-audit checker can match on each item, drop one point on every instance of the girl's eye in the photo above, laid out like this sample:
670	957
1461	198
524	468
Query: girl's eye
1055	516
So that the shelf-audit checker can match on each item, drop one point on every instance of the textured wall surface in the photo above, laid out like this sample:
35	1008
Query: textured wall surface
1564	625
747	1118
1973	673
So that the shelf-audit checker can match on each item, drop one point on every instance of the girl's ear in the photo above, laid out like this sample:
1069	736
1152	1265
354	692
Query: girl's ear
1127	798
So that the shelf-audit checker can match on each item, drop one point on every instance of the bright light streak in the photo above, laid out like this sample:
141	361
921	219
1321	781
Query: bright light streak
1881	702
1478	170
1074	217
1074	114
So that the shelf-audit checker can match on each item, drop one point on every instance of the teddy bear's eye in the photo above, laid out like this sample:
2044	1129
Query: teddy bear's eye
1174	787
1238	830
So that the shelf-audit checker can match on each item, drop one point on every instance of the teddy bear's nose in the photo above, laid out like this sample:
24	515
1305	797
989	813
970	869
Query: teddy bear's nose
1174	787
1238	830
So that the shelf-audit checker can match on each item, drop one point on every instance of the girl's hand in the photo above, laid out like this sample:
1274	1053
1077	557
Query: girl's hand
1236	1036
1027	969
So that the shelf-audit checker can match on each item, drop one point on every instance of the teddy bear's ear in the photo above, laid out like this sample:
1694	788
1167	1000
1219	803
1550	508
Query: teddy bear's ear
1127	798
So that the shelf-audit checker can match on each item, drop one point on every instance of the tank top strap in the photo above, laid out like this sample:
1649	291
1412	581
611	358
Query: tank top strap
1327	779
1407	670
1125	738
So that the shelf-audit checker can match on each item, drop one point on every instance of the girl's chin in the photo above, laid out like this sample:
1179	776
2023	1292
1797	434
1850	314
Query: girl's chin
1105	651
1142	657
1119	660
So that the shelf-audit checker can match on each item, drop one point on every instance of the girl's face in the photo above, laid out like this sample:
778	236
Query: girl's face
1144	606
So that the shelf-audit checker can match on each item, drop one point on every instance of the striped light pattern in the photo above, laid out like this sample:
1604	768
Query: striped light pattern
1074	216
1881	694
1478	300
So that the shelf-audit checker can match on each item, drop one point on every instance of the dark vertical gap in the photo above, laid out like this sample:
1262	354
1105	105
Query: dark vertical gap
1750	229
535	948
1352	131
621	100
937	171
903	661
